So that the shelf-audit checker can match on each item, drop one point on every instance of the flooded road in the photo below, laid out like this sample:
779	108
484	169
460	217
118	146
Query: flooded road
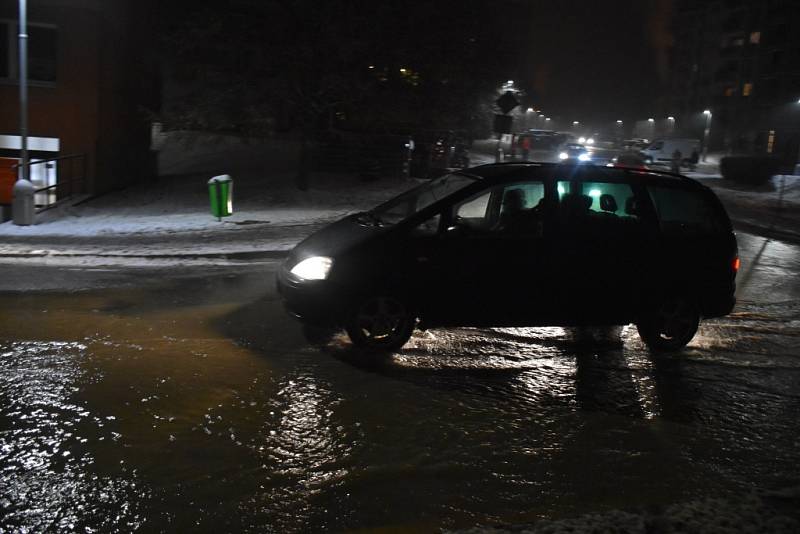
167	400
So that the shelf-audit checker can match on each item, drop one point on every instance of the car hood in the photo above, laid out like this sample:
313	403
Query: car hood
335	239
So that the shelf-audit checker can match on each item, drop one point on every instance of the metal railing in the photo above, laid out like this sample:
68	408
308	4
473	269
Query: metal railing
67	182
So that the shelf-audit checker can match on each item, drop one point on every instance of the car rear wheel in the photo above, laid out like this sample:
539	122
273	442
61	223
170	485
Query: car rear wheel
671	326
381	323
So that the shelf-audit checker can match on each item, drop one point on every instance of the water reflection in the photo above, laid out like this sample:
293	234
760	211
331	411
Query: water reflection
304	450
47	438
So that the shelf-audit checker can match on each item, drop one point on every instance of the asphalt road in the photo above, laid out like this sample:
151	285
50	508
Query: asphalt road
178	397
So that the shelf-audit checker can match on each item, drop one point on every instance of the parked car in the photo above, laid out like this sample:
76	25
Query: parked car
661	150
637	143
630	159
522	245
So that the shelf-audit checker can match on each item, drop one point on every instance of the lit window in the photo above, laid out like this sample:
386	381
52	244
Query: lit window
729	91
747	89
755	37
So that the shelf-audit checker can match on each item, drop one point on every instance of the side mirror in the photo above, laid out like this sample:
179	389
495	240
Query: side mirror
458	228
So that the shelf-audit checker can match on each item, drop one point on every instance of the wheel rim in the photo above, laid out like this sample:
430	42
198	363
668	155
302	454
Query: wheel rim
675	320
381	319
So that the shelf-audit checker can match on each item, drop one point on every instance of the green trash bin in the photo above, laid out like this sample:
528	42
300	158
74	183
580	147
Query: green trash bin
220	191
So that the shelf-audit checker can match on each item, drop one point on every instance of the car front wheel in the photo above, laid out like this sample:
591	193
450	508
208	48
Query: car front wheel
671	326
381	323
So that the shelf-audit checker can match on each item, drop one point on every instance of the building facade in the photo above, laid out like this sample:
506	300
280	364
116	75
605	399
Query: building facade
740	60
93	80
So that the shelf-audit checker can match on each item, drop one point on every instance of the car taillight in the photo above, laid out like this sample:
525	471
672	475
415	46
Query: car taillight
736	263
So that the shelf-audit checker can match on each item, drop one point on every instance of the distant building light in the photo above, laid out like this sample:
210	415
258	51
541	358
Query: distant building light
619	122
670	118
548	118
575	123
755	37
403	71
372	66
651	120
747	89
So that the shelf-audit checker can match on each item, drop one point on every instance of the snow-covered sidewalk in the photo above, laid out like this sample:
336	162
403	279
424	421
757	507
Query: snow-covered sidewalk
172	218
771	209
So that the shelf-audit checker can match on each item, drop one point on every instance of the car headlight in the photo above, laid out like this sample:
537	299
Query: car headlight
584	157
563	155
314	268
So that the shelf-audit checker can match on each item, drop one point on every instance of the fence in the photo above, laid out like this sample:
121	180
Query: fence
69	175
372	156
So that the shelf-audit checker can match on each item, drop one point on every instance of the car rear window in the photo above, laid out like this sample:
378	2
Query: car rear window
682	212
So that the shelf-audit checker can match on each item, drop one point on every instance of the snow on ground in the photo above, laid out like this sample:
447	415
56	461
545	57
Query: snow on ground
264	193
92	222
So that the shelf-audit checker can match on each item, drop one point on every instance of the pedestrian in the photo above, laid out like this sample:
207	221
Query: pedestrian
676	161
526	147
694	159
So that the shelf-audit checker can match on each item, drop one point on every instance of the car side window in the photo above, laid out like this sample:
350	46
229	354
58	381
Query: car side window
506	209
682	212
597	206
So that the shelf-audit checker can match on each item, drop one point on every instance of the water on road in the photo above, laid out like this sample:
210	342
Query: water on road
193	402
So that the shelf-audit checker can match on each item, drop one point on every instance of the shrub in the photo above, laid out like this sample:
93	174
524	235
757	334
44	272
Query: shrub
754	170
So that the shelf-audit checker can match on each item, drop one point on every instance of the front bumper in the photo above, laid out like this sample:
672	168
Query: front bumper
315	302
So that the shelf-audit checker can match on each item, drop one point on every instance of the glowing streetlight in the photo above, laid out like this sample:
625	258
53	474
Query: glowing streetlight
575	123
651	120
619	122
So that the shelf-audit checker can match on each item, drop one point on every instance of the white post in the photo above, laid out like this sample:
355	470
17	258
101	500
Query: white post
706	133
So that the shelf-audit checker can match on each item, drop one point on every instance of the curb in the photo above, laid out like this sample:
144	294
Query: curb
244	255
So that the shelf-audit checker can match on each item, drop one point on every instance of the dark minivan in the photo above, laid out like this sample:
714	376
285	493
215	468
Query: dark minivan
522	245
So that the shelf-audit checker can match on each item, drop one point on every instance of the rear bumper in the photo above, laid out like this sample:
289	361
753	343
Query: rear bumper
718	305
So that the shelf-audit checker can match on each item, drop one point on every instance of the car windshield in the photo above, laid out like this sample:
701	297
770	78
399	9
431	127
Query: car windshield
404	206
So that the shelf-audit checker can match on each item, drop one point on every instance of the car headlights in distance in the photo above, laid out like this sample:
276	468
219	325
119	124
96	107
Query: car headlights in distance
314	268
563	155
584	157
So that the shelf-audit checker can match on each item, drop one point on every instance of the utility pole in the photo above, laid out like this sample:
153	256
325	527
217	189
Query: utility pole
23	209
23	86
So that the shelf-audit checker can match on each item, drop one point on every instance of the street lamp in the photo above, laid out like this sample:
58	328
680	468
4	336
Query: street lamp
22	211
707	132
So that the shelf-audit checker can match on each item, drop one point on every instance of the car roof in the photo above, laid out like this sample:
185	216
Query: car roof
496	172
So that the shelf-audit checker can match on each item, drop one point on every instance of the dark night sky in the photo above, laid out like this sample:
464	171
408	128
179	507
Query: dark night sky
578	59
598	60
